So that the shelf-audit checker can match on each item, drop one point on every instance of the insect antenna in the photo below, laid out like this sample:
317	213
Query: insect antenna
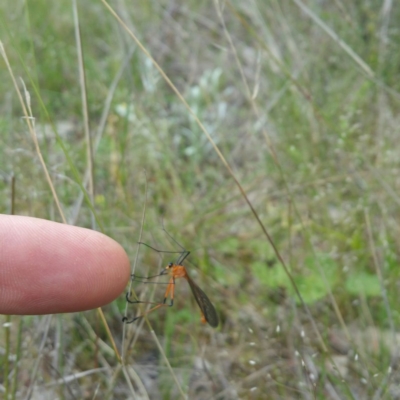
183	254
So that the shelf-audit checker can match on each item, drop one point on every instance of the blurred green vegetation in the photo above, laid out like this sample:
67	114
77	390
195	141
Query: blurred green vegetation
331	121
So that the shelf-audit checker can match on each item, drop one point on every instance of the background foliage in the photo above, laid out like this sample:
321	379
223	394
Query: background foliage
303	101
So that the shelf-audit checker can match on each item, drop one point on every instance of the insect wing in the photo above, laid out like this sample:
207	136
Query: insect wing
205	304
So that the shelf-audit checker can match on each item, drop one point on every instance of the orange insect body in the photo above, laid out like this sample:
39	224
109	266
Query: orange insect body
208	312
177	271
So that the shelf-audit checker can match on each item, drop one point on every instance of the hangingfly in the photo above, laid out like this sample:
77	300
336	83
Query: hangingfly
177	270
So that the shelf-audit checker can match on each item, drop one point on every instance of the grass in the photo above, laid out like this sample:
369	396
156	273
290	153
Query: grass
302	101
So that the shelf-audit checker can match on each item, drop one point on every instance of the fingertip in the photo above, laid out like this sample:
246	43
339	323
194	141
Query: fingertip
48	267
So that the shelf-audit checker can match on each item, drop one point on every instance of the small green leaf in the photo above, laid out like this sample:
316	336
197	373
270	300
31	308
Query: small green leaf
362	283
271	277
309	281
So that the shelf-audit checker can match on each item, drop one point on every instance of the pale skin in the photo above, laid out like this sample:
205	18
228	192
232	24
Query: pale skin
48	267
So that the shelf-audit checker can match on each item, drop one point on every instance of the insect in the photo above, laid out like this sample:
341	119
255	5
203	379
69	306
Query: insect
177	270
